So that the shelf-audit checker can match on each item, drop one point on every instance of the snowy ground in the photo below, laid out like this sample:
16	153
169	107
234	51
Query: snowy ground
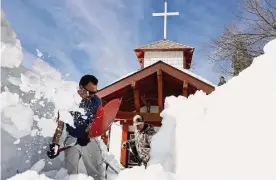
229	134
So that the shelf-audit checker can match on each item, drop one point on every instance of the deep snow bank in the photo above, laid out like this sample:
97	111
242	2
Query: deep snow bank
229	134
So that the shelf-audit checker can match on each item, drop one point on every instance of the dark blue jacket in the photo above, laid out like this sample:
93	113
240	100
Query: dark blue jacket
81	122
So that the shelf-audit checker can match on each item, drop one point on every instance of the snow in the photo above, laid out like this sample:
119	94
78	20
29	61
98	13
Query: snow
197	76
39	53
11	54
228	134
66	117
34	132
11	50
225	135
161	154
28	175
50	124
181	69
13	122
30	101
8	99
38	166
155	172
232	129
17	141
14	81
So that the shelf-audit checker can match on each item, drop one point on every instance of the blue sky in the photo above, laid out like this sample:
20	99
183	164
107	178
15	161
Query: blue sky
98	36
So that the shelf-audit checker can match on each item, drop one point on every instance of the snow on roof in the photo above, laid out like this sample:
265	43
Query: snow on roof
164	44
196	76
183	70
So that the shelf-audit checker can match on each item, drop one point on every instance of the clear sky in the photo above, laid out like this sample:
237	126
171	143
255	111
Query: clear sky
98	36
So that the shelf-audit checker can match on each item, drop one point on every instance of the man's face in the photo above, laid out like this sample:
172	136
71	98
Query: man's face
88	91
140	127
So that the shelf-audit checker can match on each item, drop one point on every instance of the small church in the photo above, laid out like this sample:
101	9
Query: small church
164	71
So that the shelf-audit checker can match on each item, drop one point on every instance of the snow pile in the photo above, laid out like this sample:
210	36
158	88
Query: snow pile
153	172
226	135
165	136
8	99
14	53
230	133
38	166
12	110
37	170
109	158
33	175
11	50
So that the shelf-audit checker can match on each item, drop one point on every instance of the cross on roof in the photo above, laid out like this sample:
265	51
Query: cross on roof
165	14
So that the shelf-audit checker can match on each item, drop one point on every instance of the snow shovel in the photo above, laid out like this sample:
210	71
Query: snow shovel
135	156
104	118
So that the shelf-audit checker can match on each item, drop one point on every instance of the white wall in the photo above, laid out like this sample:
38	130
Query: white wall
174	58
115	140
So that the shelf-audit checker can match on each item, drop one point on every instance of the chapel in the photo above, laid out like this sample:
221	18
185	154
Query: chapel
164	71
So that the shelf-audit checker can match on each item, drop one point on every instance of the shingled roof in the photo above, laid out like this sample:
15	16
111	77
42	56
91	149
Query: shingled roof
164	44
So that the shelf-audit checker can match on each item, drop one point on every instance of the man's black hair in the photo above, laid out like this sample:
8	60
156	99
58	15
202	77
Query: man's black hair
88	79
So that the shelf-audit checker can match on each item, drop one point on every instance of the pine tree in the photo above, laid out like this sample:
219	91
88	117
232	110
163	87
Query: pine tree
241	58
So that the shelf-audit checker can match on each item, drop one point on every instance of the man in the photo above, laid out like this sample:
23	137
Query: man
142	139
78	136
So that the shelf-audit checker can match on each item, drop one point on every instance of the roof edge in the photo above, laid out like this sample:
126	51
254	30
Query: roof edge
140	48
184	71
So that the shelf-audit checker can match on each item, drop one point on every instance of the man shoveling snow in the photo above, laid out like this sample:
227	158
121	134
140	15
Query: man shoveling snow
77	139
140	145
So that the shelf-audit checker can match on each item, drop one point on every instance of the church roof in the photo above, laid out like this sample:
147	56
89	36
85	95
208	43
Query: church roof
181	69
182	74
164	44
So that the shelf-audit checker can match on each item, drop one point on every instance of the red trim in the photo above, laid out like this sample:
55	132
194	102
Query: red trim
150	117
160	90
110	89
64	148
123	151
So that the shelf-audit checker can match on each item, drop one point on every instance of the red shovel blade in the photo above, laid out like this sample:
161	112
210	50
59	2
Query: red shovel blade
105	116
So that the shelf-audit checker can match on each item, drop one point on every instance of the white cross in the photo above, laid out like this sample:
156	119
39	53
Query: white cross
165	14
